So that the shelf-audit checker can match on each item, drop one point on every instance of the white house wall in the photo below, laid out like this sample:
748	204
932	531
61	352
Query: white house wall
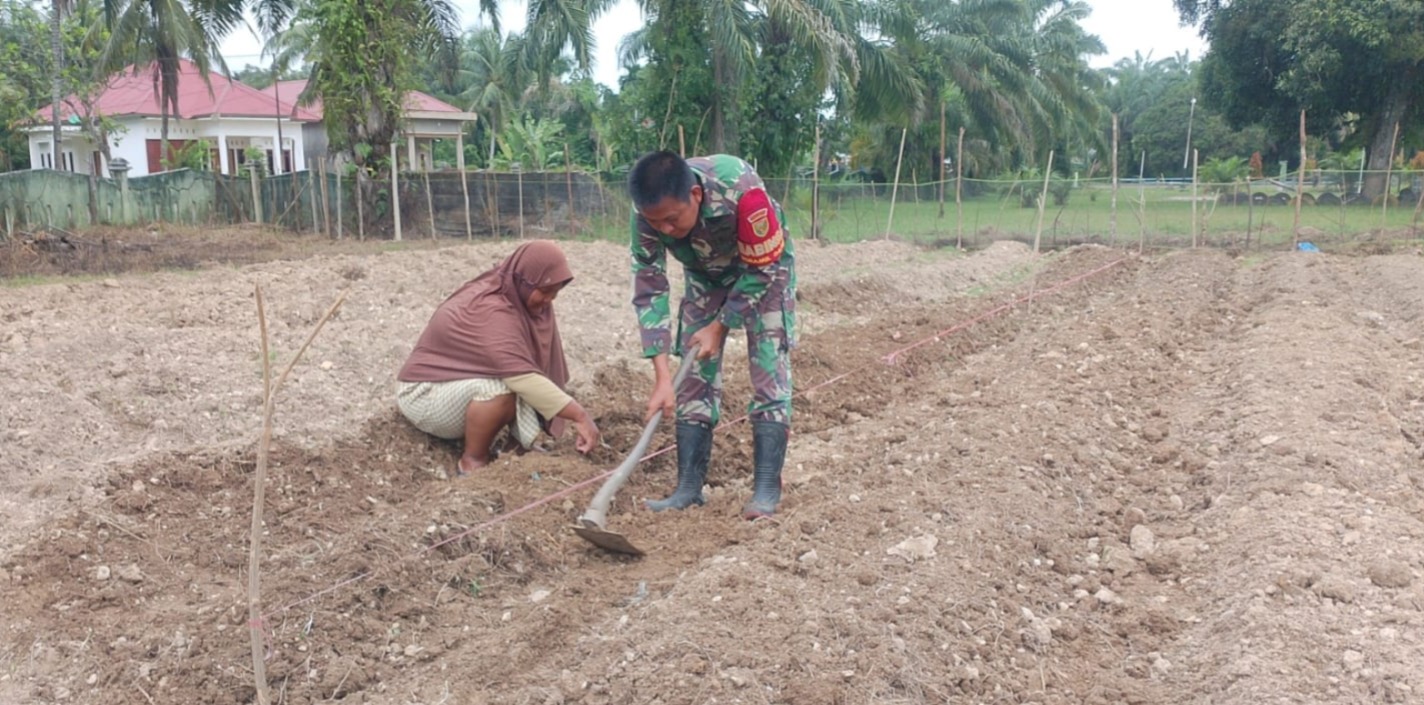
130	140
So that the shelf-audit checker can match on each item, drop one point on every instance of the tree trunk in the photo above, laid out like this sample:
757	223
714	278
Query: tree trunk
723	135
1401	96
56	83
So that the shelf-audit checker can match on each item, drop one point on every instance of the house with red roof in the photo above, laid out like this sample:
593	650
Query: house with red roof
235	121
426	120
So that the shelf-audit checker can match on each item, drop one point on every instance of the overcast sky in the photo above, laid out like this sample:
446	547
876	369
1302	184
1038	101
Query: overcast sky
1125	26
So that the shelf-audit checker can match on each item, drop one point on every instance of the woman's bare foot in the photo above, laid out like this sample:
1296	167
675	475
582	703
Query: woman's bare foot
468	464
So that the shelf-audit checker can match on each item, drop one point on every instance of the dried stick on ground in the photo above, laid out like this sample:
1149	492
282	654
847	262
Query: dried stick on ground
259	479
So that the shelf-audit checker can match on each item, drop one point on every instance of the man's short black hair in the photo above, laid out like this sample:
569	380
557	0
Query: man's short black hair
658	175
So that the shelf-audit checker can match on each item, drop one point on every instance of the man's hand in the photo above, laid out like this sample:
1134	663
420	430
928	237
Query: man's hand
663	399
708	341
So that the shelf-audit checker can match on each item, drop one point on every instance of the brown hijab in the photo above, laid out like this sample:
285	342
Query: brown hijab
485	329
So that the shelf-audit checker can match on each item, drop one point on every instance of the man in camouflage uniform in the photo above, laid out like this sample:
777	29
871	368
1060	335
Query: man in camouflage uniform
715	217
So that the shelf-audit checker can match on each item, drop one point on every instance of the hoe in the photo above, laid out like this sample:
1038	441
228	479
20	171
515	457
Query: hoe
591	526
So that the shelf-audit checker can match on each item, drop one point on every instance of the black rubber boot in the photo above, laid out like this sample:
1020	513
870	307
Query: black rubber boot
769	453
694	451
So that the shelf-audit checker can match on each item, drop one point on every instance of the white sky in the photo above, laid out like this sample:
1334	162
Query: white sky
1125	26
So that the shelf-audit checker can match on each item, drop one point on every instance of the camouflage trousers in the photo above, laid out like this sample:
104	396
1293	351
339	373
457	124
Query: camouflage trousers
771	334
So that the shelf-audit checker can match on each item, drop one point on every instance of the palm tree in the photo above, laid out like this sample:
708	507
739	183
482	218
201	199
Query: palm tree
158	34
493	77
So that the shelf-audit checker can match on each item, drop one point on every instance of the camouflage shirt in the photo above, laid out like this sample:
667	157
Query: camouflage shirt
709	254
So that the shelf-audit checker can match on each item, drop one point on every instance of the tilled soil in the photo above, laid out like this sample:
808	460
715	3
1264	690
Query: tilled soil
1087	477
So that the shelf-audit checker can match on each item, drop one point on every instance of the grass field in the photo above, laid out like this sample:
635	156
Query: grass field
1161	213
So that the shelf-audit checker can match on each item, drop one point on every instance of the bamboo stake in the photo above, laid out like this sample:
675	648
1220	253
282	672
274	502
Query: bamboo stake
325	200
894	190
1418	207
360	209
816	183
942	147
1194	199
429	197
519	174
1141	204
464	181
1042	202
254	555
959	191
1112	212
395	189
681	142
1299	187
1388	174
339	233
569	182
311	181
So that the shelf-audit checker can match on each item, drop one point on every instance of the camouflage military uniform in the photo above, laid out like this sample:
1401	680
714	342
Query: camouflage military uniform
721	284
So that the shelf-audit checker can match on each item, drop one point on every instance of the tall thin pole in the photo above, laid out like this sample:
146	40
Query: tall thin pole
1112	212
569	182
395	188
519	175
959	191
339	233
1299	186
1195	182
816	182
942	146
1388	174
894	190
464	181
1190	115
429	197
1042	201
1141	204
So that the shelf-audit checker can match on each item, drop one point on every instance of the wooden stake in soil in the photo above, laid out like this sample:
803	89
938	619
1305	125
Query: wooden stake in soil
1388	174
816	183
569	183
395	189
1299	186
894	190
311	181
1141	204
681	142
519	172
464	181
339	234
429	200
1042	202
1112	210
325	200
256	196
259	479
959	191
1194	199
360	209
942	147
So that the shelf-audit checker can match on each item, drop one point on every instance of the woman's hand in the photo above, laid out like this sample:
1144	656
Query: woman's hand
588	435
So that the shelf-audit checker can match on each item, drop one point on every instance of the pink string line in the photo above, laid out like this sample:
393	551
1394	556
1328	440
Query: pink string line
887	359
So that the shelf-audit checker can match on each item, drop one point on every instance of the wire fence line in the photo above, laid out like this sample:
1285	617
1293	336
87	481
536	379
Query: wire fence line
1318	205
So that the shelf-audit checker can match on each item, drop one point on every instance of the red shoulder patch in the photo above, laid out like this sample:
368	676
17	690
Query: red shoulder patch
760	238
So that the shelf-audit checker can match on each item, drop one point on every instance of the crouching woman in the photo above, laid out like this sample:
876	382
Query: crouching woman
491	358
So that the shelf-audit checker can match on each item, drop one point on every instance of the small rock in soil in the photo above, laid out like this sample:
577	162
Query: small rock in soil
130	573
102	573
1388	573
1336	588
1142	541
